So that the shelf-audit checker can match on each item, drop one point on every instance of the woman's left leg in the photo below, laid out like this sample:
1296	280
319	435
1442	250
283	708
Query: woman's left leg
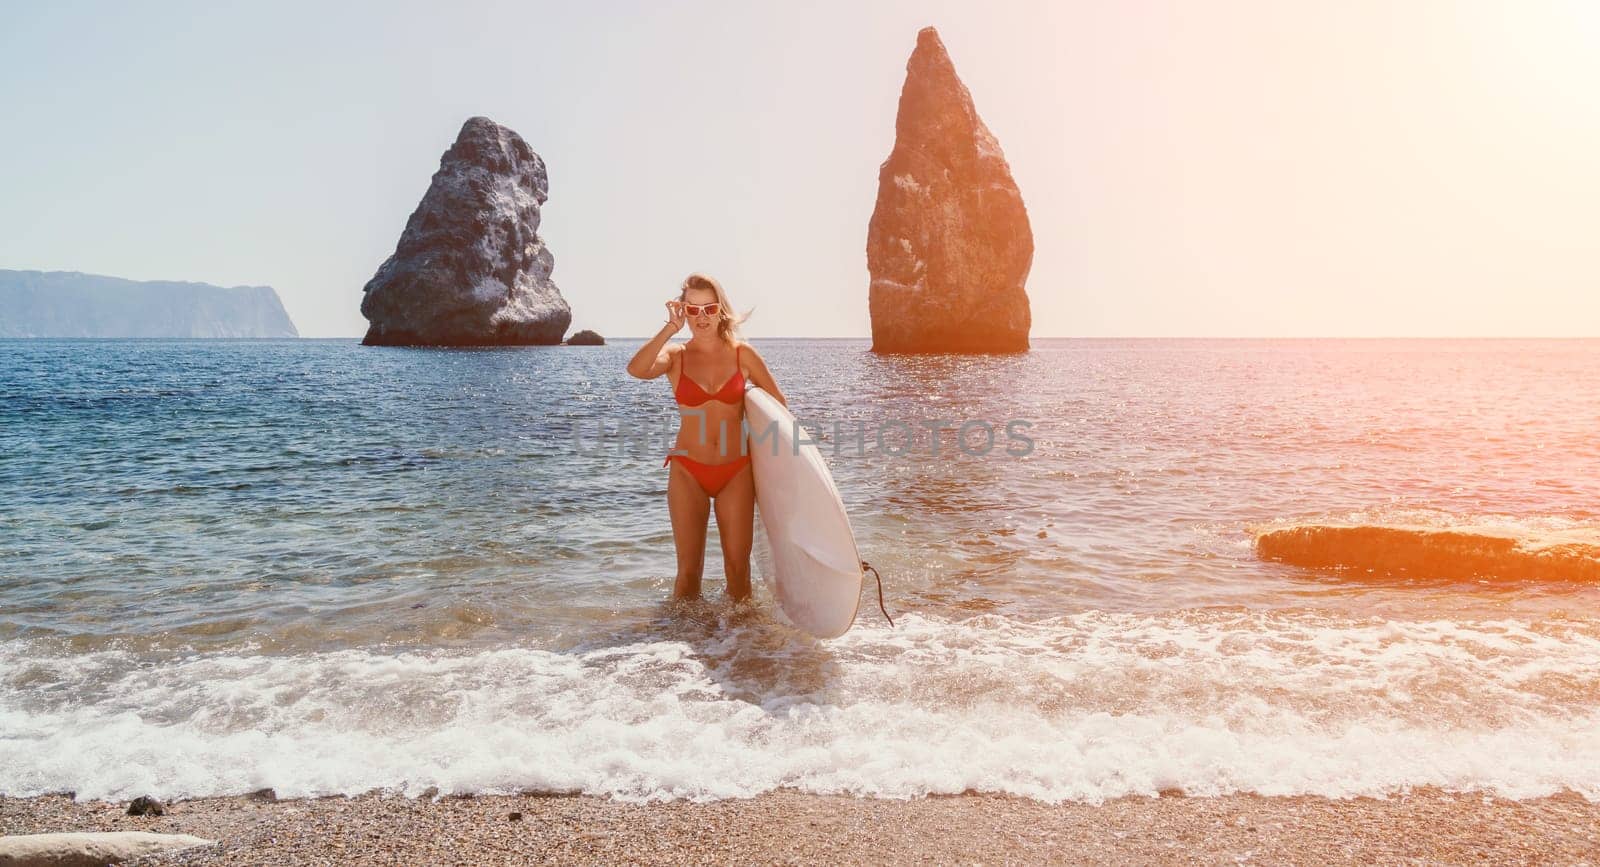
736	514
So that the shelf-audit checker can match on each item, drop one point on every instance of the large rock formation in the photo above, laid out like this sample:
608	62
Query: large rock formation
949	246
70	304
470	268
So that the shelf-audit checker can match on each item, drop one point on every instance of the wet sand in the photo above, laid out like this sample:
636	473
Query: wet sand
1424	826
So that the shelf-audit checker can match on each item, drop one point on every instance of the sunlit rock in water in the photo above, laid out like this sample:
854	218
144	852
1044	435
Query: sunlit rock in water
470	268
1426	552
949	246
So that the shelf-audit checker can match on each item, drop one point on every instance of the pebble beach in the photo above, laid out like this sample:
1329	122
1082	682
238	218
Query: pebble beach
1427	826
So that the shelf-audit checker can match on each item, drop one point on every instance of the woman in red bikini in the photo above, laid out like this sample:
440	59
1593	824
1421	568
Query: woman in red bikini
709	462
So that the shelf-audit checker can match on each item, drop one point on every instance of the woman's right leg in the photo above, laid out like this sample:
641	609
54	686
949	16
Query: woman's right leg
736	512
690	509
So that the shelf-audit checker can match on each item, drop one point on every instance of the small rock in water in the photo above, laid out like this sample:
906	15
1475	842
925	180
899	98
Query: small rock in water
144	805
586	338
268	795
1382	551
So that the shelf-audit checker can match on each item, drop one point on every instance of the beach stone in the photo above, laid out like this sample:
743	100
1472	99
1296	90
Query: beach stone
86	849
145	805
470	268
586	338
949	245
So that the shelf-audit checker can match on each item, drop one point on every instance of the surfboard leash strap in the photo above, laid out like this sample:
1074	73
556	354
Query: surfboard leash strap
868	567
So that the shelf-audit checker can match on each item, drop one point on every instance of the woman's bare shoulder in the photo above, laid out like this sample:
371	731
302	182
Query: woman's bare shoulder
673	352
752	357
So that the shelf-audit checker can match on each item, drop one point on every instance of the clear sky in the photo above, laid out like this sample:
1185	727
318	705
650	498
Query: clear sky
1226	168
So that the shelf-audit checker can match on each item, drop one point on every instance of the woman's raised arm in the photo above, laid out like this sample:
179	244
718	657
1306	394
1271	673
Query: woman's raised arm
655	356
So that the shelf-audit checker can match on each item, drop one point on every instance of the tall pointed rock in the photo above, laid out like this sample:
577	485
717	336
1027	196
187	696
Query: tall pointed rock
470	268
949	245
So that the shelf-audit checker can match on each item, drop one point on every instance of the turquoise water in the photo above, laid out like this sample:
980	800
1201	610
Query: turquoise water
329	568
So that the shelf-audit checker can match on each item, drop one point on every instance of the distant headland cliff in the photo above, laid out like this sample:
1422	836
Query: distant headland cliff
70	304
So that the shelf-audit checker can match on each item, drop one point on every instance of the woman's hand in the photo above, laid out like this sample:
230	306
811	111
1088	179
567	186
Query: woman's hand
655	356
676	317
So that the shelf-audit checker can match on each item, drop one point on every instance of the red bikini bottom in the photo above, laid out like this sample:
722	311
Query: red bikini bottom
712	477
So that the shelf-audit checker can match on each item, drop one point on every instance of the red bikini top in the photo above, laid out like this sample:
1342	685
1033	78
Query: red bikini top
689	392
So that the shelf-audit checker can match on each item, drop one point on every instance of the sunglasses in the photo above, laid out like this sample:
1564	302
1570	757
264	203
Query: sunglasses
697	309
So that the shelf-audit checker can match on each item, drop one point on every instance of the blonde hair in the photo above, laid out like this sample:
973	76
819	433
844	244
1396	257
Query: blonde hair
727	323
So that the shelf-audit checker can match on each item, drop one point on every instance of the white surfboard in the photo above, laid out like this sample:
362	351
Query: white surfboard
816	573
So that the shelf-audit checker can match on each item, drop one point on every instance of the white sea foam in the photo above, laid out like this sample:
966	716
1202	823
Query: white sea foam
1084	708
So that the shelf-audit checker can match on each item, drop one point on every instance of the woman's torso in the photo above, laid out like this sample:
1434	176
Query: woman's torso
710	429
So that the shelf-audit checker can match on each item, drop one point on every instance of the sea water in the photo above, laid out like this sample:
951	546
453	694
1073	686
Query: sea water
326	568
